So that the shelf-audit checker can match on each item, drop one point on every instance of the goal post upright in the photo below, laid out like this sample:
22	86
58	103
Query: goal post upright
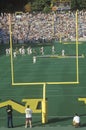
11	56
44	105
77	62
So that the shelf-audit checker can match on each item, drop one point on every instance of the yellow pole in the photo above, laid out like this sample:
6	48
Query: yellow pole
77	66
10	31
44	105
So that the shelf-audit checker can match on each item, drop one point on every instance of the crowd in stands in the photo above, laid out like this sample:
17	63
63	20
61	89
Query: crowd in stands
30	28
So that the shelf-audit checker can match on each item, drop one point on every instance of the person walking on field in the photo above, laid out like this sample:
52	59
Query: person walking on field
28	114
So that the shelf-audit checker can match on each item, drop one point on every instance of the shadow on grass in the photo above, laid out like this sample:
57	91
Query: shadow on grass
20	125
83	125
57	119
38	124
52	121
62	119
34	124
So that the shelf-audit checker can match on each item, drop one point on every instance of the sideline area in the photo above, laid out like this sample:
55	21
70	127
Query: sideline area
46	128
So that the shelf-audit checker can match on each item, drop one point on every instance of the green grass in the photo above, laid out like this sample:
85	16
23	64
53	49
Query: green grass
62	99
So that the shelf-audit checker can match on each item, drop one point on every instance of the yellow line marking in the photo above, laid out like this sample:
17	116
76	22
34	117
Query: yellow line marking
21	108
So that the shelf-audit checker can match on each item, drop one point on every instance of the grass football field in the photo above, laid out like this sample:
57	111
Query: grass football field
60	75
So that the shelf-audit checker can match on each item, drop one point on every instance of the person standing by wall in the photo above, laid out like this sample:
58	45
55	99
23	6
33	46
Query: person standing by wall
9	111
28	114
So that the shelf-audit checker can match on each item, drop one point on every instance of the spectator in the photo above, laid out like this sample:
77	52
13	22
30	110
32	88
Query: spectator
43	27
76	120
28	113
9	116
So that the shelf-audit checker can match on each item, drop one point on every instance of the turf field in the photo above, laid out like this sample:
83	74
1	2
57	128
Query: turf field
50	69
